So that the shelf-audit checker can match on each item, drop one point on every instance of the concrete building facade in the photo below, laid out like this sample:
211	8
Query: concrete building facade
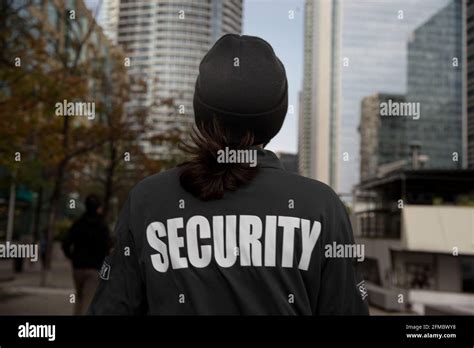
319	101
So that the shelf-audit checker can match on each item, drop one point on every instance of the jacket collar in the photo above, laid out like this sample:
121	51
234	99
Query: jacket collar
267	159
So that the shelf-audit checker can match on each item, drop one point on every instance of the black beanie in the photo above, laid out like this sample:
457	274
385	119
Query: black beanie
243	83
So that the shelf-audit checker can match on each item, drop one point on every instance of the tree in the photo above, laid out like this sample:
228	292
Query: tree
72	83
59	152
40	67
123	161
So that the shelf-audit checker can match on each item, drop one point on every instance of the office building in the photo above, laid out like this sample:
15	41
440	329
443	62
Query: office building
319	100
435	82
382	137
373	58
165	41
469	83
411	263
108	17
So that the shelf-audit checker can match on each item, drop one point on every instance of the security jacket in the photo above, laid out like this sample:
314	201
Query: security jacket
261	250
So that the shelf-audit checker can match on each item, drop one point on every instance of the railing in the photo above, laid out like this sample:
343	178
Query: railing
378	223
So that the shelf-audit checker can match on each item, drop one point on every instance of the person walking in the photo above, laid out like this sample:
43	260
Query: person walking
230	232
86	244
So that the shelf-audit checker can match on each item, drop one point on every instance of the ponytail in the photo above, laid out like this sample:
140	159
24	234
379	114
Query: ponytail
203	176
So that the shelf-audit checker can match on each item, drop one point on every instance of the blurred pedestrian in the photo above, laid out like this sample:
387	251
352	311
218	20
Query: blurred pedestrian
86	244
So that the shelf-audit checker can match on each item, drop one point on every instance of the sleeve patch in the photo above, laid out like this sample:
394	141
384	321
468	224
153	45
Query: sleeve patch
363	290
105	271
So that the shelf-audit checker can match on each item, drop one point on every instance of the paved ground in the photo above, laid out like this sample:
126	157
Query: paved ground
379	311
24	294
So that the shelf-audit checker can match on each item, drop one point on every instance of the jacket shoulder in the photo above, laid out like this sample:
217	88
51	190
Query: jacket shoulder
159	181
310	186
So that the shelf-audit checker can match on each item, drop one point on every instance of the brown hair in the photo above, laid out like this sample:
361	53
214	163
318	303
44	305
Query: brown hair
203	176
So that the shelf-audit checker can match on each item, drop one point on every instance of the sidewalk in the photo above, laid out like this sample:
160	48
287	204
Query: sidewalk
24	296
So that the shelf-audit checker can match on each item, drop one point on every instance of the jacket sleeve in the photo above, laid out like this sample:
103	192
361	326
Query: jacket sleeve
106	239
342	291
121	290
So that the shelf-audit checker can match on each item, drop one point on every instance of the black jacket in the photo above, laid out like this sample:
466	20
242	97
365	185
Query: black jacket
259	250
87	242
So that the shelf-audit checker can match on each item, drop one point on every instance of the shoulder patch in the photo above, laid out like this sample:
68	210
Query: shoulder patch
105	271
363	290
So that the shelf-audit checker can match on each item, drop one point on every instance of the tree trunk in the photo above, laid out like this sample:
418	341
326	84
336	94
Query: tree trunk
52	213
11	208
37	220
54	206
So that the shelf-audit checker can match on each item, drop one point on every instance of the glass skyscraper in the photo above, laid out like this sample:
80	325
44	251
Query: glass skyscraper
373	60
435	81
469	76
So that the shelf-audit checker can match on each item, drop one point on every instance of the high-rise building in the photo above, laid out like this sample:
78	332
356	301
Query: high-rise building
109	17
319	100
372	58
382	138
469	82
435	82
165	41
352	49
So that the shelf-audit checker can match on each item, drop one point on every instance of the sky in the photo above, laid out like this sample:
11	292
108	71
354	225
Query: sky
270	20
